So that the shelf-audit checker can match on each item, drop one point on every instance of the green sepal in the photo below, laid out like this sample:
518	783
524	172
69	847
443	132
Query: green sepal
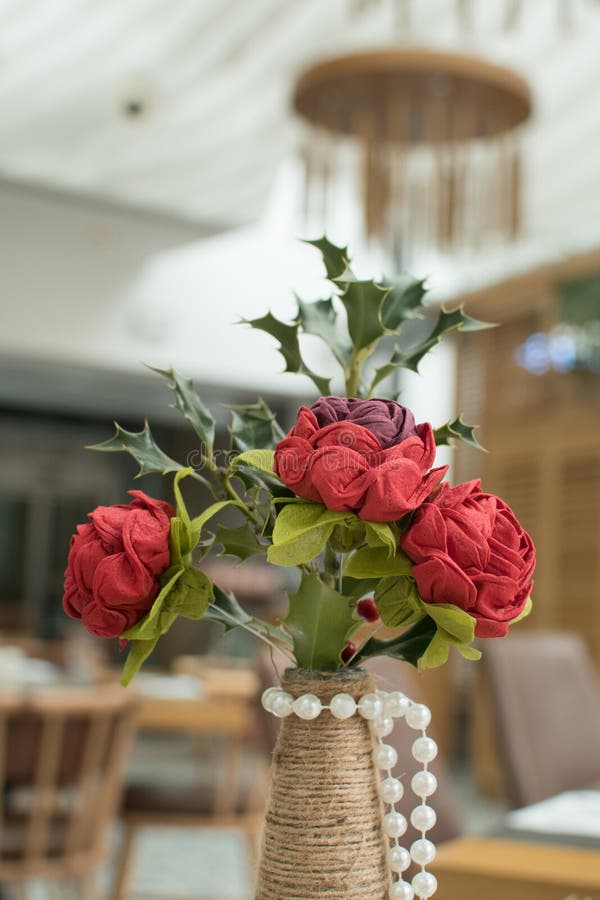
375	562
289	347
253	425
457	430
448	322
263	460
404	301
455	628
335	259
320	319
241	542
363	301
398	602
142	446
524	612
409	646
189	404
318	620
137	654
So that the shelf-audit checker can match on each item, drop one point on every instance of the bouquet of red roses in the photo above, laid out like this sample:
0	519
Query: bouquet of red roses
350	497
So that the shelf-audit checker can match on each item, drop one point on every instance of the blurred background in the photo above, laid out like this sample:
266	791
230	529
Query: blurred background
158	165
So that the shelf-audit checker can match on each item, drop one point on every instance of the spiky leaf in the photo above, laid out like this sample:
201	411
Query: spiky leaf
144	449
289	347
226	611
253	425
320	319
409	646
457	430
318	619
404	301
363	301
241	542
189	404
336	259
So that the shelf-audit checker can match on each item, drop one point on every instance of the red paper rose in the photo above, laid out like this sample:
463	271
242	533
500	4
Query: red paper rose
468	549
344	465
115	563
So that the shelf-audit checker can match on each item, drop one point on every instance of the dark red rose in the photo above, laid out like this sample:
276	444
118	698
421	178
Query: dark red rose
388	421
344	466
115	563
468	549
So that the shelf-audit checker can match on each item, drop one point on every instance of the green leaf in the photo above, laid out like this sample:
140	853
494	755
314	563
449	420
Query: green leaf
263	460
398	602
318	620
404	301
321	320
336	259
200	521
138	653
239	542
457	430
438	651
448	321
382	534
253	425
301	531
409	646
468	652
453	620
189	404
289	347
374	562
226	611
144	449
363	301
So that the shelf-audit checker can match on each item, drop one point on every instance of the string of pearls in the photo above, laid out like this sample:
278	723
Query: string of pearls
380	709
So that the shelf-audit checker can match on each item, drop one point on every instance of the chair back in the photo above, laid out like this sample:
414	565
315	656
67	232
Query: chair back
62	759
546	707
394	675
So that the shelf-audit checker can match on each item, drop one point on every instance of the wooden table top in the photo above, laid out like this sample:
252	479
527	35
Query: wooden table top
474	868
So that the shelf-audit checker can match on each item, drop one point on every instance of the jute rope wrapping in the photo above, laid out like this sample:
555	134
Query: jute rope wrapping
323	835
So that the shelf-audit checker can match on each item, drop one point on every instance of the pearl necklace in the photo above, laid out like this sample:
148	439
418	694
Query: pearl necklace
380	709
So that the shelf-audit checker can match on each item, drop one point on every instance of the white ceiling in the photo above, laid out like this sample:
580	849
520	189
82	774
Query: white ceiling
216	77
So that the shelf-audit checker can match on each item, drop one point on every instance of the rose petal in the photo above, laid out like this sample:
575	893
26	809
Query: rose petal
440	580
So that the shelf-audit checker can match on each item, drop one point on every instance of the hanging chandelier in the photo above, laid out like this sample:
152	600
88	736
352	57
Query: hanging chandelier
426	142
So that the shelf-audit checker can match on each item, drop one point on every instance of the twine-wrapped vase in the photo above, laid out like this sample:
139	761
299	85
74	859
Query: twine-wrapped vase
323	835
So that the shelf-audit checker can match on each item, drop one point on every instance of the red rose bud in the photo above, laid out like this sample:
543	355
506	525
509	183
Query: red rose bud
468	549
115	563
346	466
348	652
367	610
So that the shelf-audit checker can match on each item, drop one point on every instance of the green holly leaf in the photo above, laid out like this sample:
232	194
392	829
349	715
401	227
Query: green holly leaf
226	611
321	320
318	620
239	542
289	347
253	425
263	460
142	446
189	404
457	430
375	562
398	601
409	646
363	301
336	259
448	322
404	301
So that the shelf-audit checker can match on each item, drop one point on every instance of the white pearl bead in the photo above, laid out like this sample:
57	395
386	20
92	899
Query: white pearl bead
401	890
308	706
281	704
382	727
423	818
396	705
342	706
418	716
268	696
425	884
423	851
424	784
424	749
392	790
385	756
394	824
370	706
399	859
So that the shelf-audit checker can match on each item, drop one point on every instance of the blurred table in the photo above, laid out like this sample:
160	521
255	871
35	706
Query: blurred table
476	868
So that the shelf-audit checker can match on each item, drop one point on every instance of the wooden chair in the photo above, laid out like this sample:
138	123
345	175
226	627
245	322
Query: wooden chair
230	802
62	758
546	707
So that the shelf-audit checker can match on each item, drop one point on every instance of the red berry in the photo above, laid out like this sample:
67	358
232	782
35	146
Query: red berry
367	609
348	651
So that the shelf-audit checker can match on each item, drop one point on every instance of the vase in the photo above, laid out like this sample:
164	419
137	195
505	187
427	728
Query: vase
323	835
